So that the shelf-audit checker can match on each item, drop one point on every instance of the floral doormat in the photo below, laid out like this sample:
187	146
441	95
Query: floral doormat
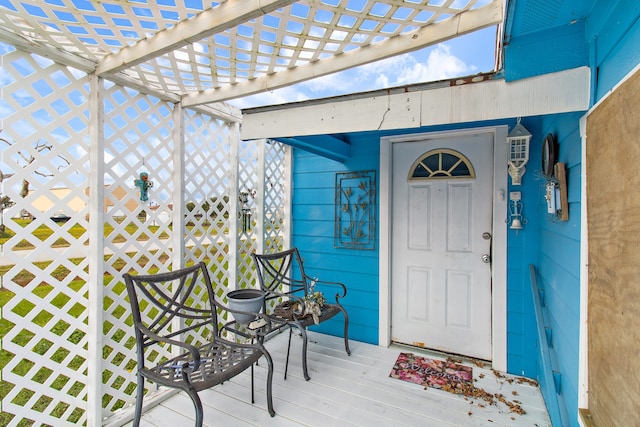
440	374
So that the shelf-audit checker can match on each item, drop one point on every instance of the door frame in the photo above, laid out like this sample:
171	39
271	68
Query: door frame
498	247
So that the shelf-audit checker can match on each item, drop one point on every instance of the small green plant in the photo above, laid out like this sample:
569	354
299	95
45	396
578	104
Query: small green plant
314	296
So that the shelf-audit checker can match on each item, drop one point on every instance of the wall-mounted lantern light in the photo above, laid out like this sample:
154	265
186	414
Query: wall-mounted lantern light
518	155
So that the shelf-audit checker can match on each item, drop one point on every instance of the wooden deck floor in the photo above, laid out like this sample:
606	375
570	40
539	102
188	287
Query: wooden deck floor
355	390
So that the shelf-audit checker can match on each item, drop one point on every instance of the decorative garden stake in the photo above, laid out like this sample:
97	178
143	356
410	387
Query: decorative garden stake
144	184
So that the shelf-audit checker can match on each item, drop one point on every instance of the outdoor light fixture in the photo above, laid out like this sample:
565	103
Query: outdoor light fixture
515	211
518	155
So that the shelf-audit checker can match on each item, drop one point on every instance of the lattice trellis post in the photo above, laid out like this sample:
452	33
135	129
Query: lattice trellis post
233	206
96	251
261	194
179	188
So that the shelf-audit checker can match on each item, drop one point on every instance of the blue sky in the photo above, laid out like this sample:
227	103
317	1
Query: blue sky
462	56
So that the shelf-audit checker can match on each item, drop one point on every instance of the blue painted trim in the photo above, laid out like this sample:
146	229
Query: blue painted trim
322	145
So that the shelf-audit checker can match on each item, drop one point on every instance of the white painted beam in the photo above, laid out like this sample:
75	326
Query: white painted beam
221	110
47	51
560	92
208	22
460	24
546	94
352	115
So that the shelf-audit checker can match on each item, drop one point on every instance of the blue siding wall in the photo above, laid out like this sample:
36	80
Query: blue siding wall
613	31
612	34
313	230
521	251
558	263
537	52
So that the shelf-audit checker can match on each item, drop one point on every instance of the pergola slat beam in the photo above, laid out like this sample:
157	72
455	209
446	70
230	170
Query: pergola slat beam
56	55
460	24
211	21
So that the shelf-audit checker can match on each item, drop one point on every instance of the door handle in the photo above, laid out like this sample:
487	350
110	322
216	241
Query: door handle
486	258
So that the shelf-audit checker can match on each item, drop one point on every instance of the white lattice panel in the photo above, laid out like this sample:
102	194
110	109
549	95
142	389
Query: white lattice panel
247	185
45	169
300	33
275	186
138	138
45	142
207	174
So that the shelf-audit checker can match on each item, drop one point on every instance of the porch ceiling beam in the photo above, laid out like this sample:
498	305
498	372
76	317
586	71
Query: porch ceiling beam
47	51
211	21
457	25
322	145
565	91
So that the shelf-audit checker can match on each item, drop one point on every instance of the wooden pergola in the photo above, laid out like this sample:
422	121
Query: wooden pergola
198	55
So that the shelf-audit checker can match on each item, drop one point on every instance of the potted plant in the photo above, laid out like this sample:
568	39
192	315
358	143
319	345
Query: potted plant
250	300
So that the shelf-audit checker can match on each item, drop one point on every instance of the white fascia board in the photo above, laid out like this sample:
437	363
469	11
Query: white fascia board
375	113
561	92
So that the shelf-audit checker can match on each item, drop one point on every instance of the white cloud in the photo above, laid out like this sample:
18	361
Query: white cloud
406	69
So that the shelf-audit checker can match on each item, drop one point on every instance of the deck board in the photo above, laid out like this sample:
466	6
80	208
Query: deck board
351	390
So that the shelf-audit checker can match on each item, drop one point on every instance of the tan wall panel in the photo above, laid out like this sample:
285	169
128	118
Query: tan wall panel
613	206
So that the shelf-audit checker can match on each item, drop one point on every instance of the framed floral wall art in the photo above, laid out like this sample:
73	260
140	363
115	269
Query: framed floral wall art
355	220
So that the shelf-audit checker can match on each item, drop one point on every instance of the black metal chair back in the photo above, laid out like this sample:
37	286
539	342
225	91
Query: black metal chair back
183	329
282	277
281	274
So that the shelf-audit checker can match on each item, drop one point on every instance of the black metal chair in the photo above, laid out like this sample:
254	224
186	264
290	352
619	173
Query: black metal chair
283	279
181	315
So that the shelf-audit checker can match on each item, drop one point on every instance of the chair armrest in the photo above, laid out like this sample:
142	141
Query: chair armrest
195	354
325	283
291	293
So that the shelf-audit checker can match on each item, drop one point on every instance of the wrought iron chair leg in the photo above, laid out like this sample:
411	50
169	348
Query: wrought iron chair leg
303	332
139	397
197	403
286	365
346	330
253	400
269	383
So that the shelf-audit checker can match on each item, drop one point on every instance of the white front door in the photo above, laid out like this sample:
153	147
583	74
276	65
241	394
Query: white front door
441	240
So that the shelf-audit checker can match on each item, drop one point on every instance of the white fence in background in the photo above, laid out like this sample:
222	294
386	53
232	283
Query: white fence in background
67	348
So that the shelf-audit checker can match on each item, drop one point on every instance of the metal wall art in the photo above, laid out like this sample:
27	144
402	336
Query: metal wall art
355	221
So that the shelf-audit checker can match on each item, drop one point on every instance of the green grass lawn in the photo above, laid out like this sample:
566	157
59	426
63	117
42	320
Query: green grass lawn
77	231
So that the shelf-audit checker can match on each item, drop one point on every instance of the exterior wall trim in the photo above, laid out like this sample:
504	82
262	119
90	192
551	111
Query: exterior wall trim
564	91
